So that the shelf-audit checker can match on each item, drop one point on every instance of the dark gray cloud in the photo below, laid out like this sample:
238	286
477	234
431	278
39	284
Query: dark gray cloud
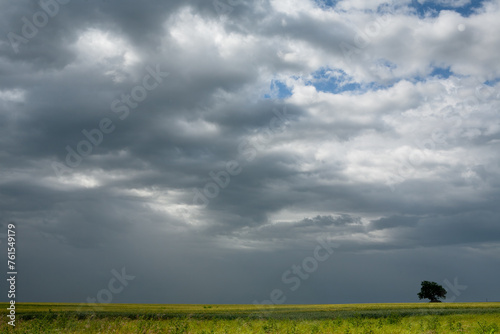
207	150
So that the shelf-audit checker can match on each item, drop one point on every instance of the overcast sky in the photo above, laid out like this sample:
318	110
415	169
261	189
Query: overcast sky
238	151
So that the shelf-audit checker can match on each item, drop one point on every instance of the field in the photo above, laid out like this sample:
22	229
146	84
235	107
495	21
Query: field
349	318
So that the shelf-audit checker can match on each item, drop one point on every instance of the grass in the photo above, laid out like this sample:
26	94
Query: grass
350	318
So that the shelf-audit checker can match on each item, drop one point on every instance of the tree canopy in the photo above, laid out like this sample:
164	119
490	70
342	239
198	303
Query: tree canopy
432	291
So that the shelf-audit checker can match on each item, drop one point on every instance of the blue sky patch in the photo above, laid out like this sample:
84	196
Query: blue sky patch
442	73
327	3
437	72
492	82
278	90
432	8
332	81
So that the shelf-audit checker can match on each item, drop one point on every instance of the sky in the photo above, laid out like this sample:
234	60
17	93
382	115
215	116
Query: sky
250	151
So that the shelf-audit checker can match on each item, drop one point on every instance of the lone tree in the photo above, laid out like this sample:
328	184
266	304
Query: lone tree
432	291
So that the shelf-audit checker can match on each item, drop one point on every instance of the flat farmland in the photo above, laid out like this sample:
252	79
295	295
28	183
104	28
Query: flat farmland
180	318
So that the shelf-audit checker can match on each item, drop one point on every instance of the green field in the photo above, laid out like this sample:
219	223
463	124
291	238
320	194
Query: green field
348	318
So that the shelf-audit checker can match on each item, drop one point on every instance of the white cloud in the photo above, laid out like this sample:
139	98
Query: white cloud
12	95
110	52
